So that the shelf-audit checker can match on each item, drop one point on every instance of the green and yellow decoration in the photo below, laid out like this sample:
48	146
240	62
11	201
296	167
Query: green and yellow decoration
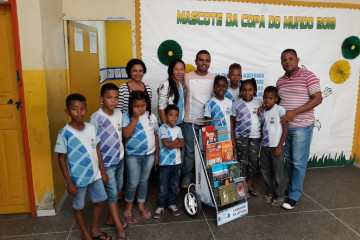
351	47
189	68
340	71
169	50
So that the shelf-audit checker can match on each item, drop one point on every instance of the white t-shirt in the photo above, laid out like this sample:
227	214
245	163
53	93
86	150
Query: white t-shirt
109	130
142	141
220	109
247	121
80	148
272	128
169	156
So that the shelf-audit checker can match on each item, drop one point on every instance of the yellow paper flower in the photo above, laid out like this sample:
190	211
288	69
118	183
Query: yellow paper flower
340	71
189	68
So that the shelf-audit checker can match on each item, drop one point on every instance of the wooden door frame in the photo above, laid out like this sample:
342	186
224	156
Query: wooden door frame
16	38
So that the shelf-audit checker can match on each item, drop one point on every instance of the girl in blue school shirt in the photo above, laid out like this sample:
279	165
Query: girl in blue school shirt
142	147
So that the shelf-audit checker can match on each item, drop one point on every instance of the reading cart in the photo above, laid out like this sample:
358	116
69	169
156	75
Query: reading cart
202	192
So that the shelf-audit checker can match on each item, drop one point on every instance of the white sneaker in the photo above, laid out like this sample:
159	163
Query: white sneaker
174	210
158	212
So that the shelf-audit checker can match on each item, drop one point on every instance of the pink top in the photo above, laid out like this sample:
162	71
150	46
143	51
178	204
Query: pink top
295	92
197	91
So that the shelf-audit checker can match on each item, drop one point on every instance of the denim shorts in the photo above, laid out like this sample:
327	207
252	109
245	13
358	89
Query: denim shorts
115	183
96	193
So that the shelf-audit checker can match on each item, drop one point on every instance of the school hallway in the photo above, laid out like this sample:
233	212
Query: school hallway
328	209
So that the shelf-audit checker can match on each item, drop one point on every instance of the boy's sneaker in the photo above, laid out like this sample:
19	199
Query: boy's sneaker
158	212
174	210
289	204
186	182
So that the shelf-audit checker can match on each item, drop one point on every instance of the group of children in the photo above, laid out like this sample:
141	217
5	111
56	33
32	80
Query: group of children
91	156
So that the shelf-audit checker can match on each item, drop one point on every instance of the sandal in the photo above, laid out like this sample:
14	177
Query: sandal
130	219
102	236
253	193
268	199
120	237
146	214
125	225
277	203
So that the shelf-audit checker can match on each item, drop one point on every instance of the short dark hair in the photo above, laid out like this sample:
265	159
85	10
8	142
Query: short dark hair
219	78
272	89
139	95
234	66
108	86
251	81
133	62
202	52
289	50
171	107
74	97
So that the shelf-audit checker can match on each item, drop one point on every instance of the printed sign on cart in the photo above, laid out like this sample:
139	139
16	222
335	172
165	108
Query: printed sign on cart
232	213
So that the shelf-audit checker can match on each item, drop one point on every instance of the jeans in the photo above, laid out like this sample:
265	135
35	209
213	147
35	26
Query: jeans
96	192
297	151
189	153
272	168
114	186
169	178
138	171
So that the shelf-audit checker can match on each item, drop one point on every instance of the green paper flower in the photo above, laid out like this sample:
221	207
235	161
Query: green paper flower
340	71
169	50
351	47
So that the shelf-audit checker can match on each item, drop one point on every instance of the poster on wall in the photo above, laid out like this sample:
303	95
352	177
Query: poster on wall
254	35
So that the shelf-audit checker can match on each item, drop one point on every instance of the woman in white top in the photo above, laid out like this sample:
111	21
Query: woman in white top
171	91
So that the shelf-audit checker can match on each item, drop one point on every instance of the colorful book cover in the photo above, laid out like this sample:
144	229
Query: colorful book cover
226	181
240	188
234	169
222	133
227	151
213	156
227	194
208	135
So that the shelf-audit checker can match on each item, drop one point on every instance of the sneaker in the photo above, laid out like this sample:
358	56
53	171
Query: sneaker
158	212
174	210
186	182
286	193
289	204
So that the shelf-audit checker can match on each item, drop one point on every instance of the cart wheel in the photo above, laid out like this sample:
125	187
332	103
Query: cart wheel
192	204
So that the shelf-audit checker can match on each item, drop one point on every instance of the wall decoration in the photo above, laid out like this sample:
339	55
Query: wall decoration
340	71
351	47
169	50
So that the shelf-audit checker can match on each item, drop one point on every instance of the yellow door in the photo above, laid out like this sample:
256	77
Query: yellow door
84	66
14	196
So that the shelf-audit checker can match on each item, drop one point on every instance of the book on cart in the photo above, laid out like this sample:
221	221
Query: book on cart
226	181
222	133
227	151
227	194
208	136
213	154
234	169
240	188
216	173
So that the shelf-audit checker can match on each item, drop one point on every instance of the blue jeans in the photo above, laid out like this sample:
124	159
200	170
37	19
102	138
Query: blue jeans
189	153
96	192
138	171
297	151
169	178
115	183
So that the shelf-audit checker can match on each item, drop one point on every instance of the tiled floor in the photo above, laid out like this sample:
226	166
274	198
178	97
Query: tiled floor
329	209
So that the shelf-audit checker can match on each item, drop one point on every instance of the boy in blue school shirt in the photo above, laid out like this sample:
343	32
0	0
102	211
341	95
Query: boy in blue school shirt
81	165
171	140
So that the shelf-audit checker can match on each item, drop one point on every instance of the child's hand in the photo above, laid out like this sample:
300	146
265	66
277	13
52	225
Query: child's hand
136	113
104	177
277	151
260	110
156	162
71	189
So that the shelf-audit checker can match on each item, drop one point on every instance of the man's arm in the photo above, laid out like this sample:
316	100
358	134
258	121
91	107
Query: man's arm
315	100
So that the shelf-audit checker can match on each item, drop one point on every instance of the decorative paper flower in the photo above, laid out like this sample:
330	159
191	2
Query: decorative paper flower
351	47
169	50
340	71
189	68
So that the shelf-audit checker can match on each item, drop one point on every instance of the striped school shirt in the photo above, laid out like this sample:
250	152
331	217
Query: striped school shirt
295	92
124	94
